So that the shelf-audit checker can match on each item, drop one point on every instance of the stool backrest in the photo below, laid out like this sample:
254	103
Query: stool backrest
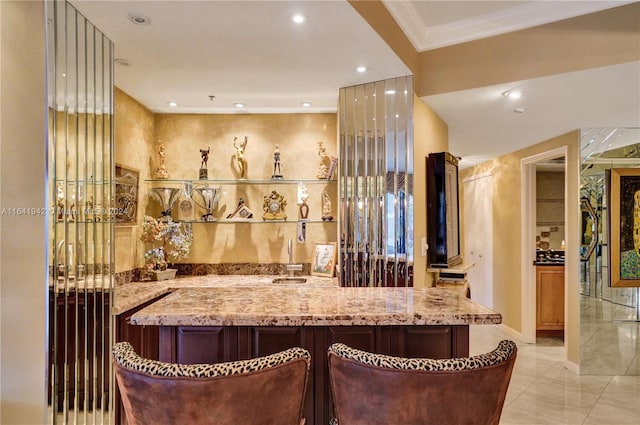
265	390
375	389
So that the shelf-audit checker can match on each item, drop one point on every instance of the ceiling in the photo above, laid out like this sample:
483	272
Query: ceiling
251	52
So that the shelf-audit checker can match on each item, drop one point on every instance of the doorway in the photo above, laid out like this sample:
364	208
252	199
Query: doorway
531	235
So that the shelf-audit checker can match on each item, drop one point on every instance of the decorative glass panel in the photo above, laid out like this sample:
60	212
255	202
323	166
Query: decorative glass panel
376	183
81	189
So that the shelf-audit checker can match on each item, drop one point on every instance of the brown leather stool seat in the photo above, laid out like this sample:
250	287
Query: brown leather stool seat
264	390
375	389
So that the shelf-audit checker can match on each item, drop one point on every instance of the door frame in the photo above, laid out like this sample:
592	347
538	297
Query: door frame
528	240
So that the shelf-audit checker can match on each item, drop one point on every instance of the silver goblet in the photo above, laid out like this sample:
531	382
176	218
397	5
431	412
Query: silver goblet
167	196
210	196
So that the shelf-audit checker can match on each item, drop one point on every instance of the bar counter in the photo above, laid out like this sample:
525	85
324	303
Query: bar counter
276	305
212	319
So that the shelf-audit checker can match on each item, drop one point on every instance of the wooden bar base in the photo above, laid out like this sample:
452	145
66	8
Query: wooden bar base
214	344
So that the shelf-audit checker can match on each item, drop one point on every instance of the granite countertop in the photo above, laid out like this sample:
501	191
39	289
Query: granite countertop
308	305
130	295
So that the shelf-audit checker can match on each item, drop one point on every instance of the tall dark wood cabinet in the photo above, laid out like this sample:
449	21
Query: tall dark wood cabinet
443	228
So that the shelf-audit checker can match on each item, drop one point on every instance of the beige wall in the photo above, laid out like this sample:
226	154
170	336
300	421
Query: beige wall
430	134
507	227
134	137
296	136
23	271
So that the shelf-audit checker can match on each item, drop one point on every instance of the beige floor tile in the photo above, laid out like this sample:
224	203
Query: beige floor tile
619	404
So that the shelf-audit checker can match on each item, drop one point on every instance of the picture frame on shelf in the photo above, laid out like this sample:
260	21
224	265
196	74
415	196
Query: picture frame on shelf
324	259
126	197
623	219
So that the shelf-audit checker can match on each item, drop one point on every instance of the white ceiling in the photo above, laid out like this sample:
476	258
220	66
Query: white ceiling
241	51
251	52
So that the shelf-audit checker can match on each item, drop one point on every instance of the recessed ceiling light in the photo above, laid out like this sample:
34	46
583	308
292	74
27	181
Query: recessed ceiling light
139	18
122	62
361	68
172	104
239	105
298	19
305	104
512	94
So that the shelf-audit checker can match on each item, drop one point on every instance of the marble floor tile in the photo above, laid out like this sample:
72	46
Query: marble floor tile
619	404
543	392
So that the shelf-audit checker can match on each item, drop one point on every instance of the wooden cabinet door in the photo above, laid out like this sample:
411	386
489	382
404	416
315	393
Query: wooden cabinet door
550	298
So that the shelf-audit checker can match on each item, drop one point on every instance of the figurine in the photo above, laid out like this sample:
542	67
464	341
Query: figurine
323	169
205	157
277	171
242	163
161	170
326	207
204	153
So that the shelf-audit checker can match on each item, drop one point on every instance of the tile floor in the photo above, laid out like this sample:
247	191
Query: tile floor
543	392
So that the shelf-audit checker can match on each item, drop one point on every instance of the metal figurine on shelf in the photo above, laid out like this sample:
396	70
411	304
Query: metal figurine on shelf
240	160
161	169
277	170
326	207
204	153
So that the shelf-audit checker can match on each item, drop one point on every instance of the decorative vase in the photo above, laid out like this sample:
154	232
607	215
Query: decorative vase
163	274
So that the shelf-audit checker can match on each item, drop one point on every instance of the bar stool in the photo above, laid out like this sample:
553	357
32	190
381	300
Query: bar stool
376	389
264	390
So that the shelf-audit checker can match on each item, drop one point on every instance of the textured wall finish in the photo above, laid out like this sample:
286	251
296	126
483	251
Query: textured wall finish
297	137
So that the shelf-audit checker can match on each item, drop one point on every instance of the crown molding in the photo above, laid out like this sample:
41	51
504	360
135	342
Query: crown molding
509	19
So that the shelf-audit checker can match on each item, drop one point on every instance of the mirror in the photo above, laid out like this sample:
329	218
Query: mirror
589	229
606	313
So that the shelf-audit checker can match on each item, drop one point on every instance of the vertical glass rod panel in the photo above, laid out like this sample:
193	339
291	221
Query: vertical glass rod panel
376	146
80	179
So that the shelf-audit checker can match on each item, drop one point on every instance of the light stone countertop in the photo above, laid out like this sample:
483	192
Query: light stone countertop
130	295
312	305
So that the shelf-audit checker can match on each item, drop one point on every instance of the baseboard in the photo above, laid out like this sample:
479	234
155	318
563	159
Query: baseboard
572	367
511	332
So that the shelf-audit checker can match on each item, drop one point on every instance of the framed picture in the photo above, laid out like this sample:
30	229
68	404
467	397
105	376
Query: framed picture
324	259
126	199
623	200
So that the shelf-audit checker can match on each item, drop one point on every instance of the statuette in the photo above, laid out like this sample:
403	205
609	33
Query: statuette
161	169
326	207
277	170
323	168
240	160
204	153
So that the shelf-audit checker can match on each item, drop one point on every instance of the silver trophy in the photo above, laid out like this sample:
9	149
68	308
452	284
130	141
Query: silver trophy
167	196
210	196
